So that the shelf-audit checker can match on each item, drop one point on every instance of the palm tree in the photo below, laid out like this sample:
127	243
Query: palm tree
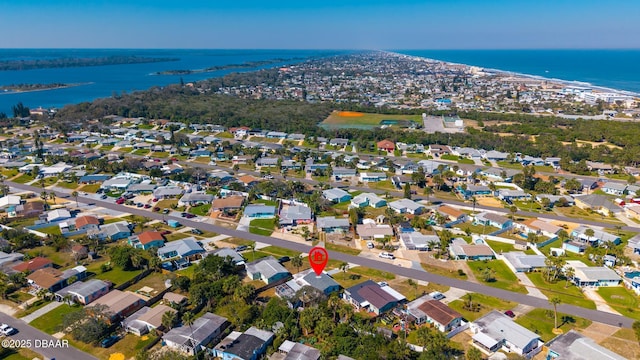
474	201
513	209
44	196
297	262
555	301
187	319
428	191
344	266
169	320
75	196
414	285
569	273
52	196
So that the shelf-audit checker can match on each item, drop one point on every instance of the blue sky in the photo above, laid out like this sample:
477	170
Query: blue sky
328	24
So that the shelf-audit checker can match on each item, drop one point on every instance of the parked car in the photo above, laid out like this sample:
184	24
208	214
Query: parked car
105	343
284	259
154	200
268	177
196	231
510	314
156	209
147	206
242	248
139	205
386	255
437	295
7	330
189	216
166	211
120	201
370	245
165	232
184	214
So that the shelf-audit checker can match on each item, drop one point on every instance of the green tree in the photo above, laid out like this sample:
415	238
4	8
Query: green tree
473	354
488	275
297	261
169	320
636	329
407	191
75	196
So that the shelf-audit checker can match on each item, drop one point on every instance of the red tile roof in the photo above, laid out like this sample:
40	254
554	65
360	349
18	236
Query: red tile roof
150	236
86	220
33	264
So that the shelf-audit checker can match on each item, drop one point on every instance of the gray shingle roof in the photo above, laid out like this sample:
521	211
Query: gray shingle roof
575	346
498	326
202	328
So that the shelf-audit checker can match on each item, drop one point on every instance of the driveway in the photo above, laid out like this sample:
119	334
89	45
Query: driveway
43	310
530	286
601	305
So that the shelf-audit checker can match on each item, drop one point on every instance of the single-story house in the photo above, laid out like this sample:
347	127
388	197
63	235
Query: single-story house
86	222
418	241
192	339
58	215
292	215
93	179
460	250
574	345
599	236
340	173
290	350
614	188
451	213
336	195
406	206
227	204
331	224
539	227
491	219
9	200
426	310
259	211
386	145
120	304
29	209
32	265
371	231
368	199
174	299
181	249
474	190
195	198
117	183
372	297
323	283
555	199
116	231
146	319
598	203
593	276
496	331
167	192
266	269
235	256
83	292
574	246
54	279
372	176
518	261
249	345
512	194
146	240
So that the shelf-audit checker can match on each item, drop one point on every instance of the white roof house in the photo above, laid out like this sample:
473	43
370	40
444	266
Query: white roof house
58	214
9	200
495	331
406	206
418	241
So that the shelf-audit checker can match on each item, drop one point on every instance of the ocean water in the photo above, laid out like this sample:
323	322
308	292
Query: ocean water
615	69
104	81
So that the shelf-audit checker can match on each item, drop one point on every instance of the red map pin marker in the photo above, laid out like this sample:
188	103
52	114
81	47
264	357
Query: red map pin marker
318	258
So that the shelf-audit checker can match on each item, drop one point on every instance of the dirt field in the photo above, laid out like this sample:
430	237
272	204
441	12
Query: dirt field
354	118
571	226
489	201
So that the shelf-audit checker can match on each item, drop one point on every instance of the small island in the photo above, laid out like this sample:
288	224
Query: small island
245	65
9	65
16	88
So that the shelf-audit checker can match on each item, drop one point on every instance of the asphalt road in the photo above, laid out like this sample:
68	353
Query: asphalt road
593	315
37	338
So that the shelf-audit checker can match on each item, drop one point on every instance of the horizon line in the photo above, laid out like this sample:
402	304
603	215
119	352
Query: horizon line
330	49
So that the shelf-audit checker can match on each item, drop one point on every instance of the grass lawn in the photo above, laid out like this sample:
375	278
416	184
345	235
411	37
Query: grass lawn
116	275
383	185
577	213
51	321
23	179
67	185
33	307
90	188
476	229
359	274
263	227
442	271
336	120
61	258
505	278
141	152
488	303
166	204
224	135
252	255
509	165
160	154
18	354
624	343
373	273
622	300
570	295
202	210
278	251
154	280
127	149
51	230
541	322
342	248
106	147
176	236
9	173
18	222
20	297
528	206
239	242
500	247
129	345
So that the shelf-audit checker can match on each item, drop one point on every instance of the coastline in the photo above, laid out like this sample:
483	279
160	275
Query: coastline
67	86
579	83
